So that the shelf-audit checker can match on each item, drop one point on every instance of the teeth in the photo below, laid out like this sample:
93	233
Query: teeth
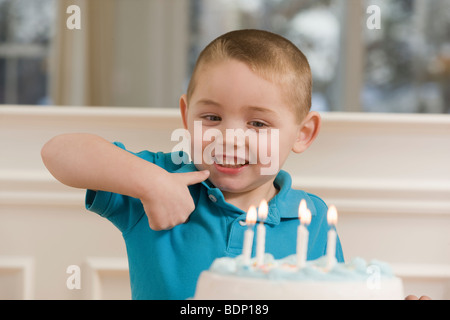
231	165
229	162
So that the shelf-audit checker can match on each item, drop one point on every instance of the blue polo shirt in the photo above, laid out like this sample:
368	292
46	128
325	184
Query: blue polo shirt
167	264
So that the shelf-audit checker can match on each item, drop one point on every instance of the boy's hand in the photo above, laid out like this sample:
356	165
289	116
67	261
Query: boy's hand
90	162
171	203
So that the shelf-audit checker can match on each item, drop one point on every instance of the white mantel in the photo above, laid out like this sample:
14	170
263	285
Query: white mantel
388	175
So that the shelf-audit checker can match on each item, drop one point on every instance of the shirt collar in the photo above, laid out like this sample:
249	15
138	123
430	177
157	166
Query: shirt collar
287	199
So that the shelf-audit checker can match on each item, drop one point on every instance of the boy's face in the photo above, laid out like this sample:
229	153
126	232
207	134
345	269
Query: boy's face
230	98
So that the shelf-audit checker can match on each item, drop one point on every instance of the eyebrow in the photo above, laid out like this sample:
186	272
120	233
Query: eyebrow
251	107
262	109
209	102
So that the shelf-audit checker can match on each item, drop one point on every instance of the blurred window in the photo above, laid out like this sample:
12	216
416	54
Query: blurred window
312	25
25	33
407	61
402	67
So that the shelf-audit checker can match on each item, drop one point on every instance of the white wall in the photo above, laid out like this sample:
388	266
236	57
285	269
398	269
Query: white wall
389	176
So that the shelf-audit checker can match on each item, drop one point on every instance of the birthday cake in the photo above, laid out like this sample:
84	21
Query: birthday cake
232	278
294	278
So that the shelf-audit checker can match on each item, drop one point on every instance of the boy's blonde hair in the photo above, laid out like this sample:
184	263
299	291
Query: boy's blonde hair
270	56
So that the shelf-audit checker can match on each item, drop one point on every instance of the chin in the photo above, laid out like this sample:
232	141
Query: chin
235	184
229	184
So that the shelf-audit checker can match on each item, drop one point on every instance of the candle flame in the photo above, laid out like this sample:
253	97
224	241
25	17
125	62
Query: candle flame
332	215
301	208
304	214
251	215
263	210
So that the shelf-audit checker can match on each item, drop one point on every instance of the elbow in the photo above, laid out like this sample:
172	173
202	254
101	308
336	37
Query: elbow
46	148
61	155
48	151
51	151
54	156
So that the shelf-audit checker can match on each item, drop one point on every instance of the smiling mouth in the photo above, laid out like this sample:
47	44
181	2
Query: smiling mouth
230	169
231	165
230	162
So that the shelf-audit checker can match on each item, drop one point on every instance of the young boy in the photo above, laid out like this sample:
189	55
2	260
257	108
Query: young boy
176	218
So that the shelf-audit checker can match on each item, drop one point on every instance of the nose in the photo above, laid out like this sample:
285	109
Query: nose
234	138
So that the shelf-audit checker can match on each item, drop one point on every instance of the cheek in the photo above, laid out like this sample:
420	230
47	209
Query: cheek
203	143
287	143
278	143
196	134
268	145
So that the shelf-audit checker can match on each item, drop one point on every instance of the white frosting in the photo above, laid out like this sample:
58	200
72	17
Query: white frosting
229	278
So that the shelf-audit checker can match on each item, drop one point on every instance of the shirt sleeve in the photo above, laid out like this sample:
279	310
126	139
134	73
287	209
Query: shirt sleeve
124	211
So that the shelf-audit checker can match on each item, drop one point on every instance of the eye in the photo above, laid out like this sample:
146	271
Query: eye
258	124
211	117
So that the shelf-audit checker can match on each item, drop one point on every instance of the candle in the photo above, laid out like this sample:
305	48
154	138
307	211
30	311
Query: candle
248	235
302	233
261	232
331	241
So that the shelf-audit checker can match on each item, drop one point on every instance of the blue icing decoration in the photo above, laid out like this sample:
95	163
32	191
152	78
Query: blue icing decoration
224	265
285	269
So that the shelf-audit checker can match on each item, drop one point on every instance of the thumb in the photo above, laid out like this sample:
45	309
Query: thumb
194	177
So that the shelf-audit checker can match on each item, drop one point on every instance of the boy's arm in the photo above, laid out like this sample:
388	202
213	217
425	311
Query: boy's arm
90	162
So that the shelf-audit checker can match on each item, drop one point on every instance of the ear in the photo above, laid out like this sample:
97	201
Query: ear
183	109
307	132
